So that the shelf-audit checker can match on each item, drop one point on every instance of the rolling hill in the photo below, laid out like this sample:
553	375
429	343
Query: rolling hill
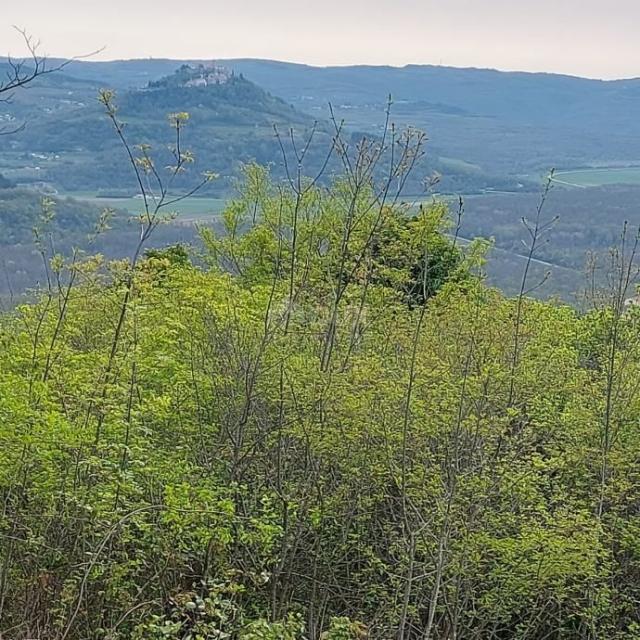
489	132
70	145
509	123
504	123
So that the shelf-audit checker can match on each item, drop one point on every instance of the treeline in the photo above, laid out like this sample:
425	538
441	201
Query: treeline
24	212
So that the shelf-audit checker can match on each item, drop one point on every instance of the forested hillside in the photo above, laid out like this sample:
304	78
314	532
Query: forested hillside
72	146
585	224
22	212
68	145
504	123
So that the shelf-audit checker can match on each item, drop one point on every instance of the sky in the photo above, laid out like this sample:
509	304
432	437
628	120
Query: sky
589	38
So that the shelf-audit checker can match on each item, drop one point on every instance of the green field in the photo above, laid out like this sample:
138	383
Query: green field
191	209
583	178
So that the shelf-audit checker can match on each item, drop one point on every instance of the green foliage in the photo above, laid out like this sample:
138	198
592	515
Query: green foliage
281	447
411	253
341	242
176	255
21	211
214	614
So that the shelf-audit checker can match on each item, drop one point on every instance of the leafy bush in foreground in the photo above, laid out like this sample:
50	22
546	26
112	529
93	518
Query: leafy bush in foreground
335	431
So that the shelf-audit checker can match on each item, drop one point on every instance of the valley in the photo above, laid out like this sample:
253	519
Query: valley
492	137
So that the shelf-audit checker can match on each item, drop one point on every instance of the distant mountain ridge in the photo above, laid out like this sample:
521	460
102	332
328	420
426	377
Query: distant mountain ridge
510	123
487	129
232	121
484	90
513	122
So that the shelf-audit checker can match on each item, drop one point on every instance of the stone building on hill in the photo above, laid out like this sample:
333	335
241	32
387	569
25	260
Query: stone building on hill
206	75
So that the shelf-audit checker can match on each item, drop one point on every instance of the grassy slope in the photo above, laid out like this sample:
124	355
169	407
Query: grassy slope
598	177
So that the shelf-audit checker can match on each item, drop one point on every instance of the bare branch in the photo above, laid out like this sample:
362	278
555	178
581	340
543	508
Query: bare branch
21	72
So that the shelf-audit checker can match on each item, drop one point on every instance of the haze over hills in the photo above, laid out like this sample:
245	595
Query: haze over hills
503	121
234	120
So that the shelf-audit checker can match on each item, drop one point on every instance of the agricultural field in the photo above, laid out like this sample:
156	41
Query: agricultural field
189	210
583	178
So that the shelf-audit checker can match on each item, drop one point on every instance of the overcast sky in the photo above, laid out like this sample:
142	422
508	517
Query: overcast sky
593	38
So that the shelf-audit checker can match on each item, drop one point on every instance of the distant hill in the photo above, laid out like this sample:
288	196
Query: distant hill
489	131
69	143
199	75
504	123
21	211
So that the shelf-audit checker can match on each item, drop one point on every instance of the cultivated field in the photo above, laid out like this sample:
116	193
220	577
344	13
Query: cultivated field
583	178
189	210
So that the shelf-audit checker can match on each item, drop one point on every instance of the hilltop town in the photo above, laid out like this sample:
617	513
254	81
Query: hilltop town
200	75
